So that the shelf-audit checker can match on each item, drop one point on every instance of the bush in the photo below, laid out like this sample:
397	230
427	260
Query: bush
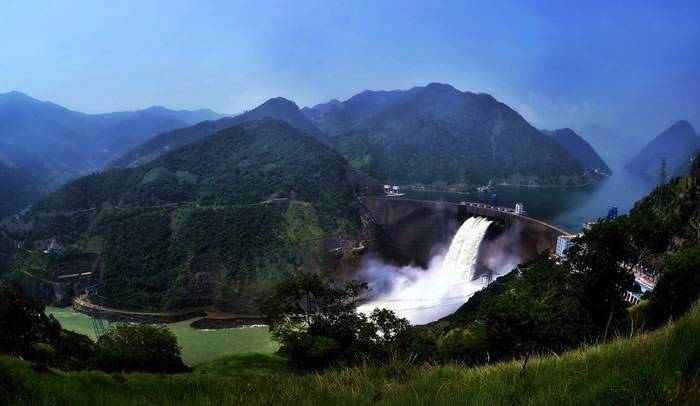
139	347
678	287
23	322
318	324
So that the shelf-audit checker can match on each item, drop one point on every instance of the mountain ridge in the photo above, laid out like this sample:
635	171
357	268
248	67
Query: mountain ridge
675	144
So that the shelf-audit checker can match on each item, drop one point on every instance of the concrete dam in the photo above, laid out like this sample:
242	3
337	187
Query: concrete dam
411	231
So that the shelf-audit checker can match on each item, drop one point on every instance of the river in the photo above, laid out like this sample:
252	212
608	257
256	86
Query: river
197	345
567	208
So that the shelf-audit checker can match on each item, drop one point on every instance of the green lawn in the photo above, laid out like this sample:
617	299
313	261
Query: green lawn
662	367
197	345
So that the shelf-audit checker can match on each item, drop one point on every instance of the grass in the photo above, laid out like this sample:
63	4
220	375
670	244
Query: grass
197	345
661	367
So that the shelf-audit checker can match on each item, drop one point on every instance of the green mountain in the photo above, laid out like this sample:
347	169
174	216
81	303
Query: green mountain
213	223
676	145
438	133
277	108
579	149
18	189
54	144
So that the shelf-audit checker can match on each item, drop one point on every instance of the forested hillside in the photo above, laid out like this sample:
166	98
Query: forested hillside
52	144
215	222
277	108
438	133
579	149
18	189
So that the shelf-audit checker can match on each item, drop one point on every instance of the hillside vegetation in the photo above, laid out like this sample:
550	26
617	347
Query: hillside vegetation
675	145
277	108
579	149
216	222
656	368
399	137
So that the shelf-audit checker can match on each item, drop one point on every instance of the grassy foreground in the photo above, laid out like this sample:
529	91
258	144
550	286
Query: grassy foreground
662	367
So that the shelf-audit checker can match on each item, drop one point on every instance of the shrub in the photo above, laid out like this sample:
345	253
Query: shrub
23	322
139	347
318	324
678	287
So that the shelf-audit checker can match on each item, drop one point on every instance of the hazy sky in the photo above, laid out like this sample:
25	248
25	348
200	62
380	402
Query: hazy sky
633	66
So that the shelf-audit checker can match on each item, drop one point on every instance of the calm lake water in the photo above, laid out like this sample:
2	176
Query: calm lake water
567	208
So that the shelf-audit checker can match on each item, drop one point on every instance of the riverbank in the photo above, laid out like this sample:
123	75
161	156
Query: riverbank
198	345
205	319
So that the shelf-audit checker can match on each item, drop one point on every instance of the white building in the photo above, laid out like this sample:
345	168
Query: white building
564	242
519	208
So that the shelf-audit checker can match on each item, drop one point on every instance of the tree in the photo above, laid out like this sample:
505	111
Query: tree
139	347
678	286
23	322
663	175
600	262
318	325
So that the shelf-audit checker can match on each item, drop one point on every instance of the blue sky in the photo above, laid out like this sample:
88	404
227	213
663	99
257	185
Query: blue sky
630	65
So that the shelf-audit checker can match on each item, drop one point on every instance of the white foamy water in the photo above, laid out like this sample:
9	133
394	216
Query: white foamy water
423	296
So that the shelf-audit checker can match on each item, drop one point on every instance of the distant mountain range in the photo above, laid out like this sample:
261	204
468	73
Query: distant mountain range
676	145
579	149
433	133
54	144
438	133
277	108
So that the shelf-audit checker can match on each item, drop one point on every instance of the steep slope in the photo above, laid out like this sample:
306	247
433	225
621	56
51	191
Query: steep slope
277	108
216	222
438	133
579	149
18	189
675	145
54	144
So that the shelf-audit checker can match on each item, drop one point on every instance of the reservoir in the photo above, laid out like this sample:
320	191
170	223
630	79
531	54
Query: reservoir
564	207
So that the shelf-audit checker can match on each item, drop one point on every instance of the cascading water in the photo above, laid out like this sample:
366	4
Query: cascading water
462	255
421	295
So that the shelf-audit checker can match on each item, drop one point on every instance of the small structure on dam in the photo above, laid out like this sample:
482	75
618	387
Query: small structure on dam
411	231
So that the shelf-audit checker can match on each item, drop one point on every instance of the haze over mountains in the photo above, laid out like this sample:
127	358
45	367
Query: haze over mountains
579	149
276	108
676	145
49	144
426	134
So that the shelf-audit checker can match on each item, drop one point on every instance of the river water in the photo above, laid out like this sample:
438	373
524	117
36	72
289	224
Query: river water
567	208
197	345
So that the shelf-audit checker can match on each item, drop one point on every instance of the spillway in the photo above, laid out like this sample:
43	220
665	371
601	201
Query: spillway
423	296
